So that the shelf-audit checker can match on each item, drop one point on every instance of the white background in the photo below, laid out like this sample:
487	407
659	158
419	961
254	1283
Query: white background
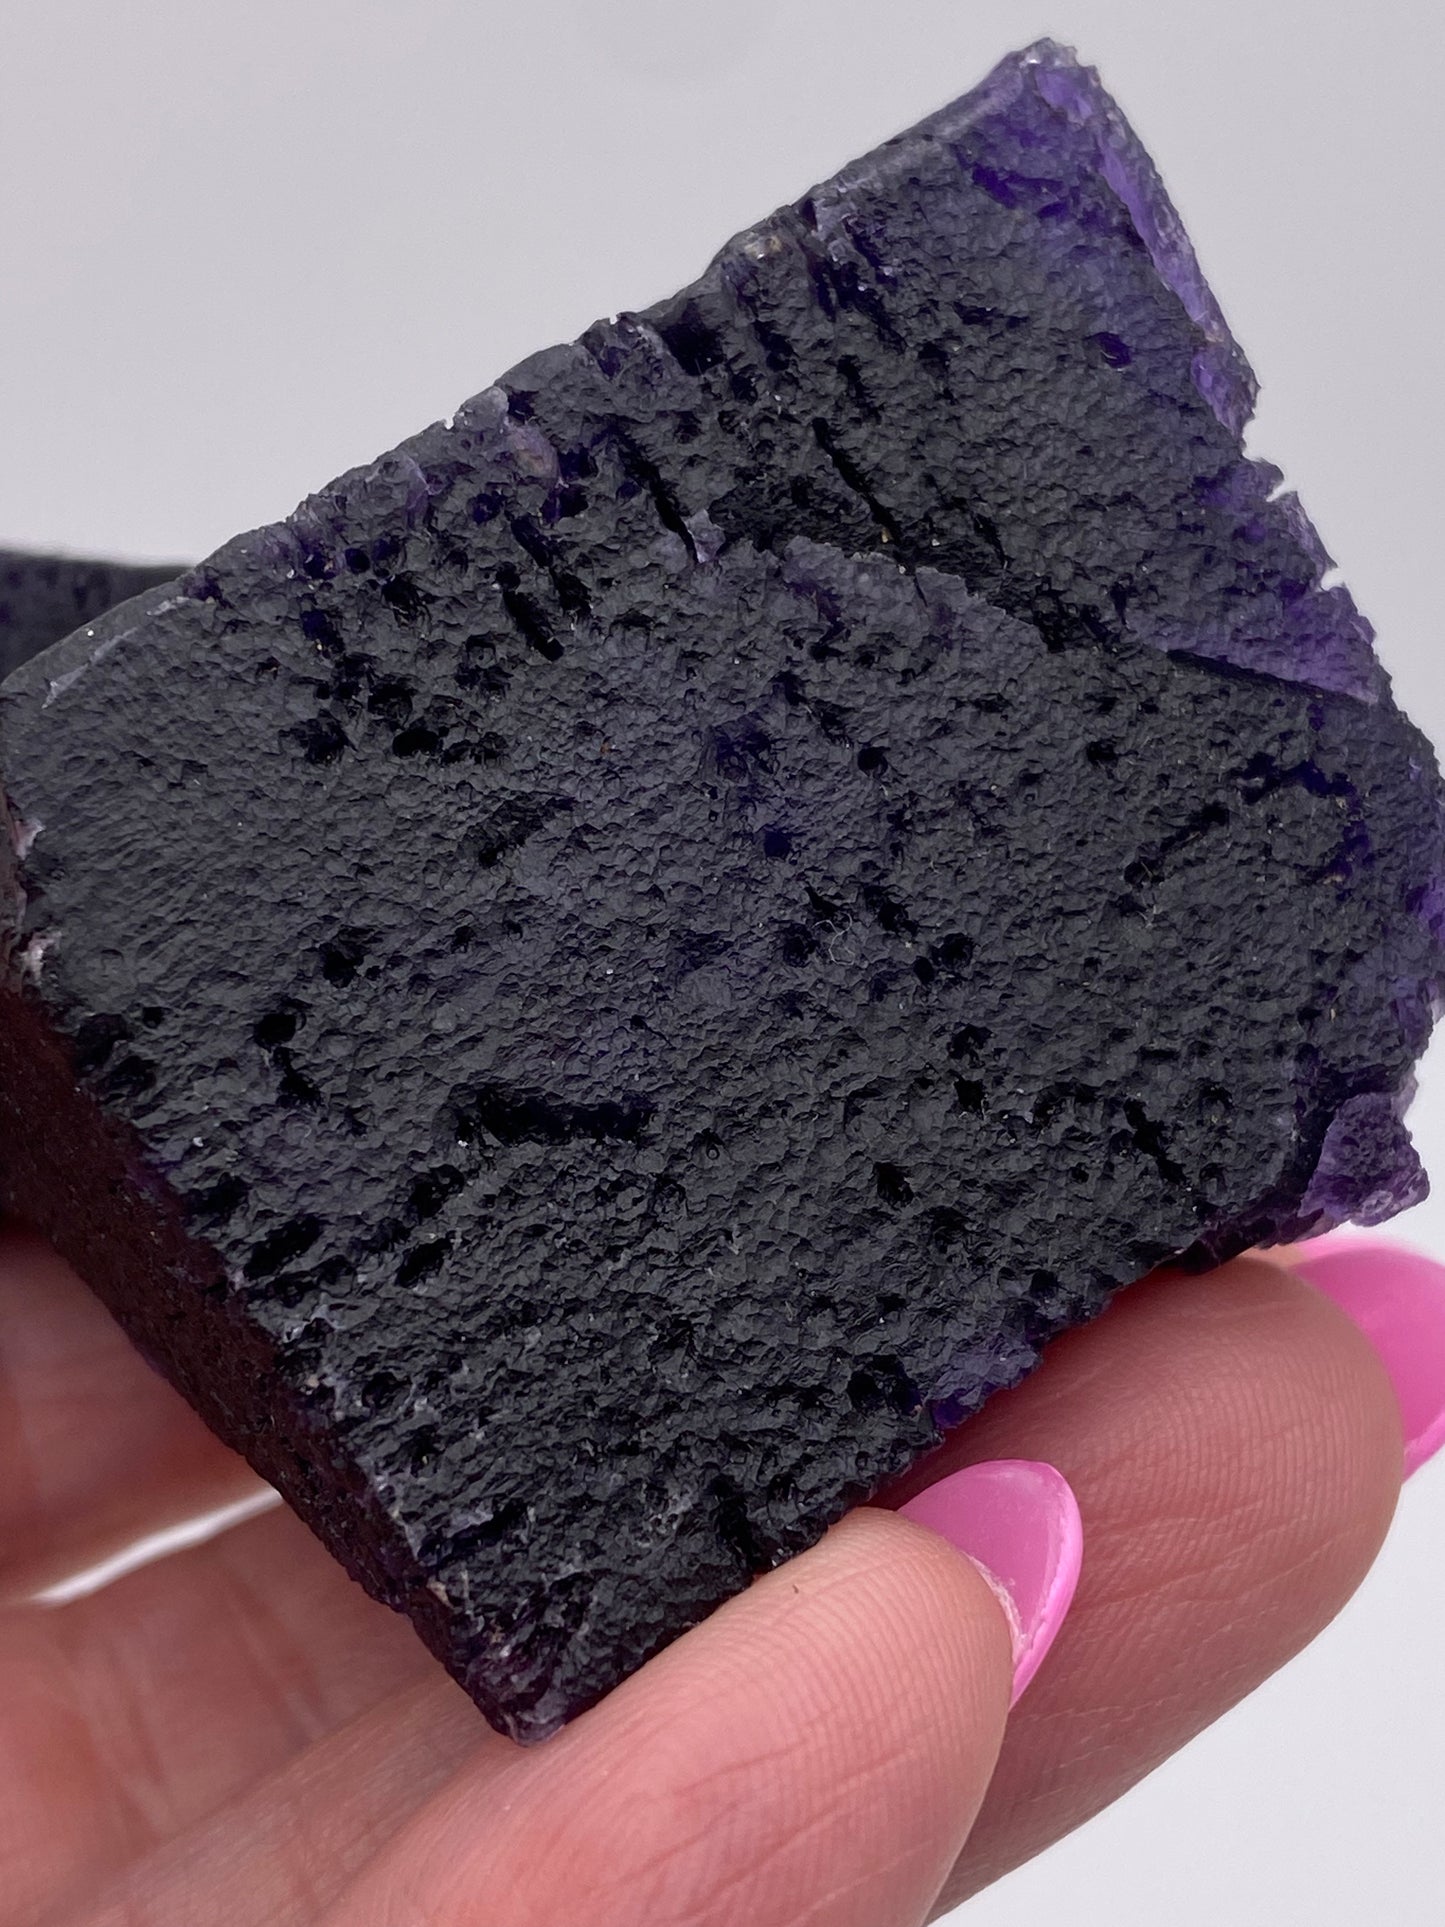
245	244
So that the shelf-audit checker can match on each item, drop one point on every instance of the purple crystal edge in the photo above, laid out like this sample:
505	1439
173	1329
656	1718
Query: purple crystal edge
1339	654
1222	373
1067	87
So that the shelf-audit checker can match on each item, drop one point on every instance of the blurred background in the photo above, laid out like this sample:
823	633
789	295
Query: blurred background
245	247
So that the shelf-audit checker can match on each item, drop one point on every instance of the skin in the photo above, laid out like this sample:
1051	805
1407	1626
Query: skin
236	1735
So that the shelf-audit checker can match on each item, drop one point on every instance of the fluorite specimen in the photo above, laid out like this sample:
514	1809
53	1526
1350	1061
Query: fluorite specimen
587	993
44	597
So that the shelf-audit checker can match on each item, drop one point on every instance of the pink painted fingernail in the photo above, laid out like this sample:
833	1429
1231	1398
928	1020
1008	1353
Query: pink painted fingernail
1397	1298
1018	1521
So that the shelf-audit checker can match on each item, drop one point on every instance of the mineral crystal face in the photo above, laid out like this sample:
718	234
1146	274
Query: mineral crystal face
590	991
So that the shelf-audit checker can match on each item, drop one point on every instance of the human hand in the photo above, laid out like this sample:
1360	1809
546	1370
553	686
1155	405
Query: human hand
235	1736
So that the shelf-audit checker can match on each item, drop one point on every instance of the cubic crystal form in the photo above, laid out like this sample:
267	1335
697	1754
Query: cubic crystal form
592	990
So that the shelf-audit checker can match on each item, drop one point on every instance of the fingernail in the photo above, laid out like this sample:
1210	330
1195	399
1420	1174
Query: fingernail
1018	1521
1397	1298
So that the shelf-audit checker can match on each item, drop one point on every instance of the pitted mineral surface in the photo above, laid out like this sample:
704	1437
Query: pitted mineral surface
592	990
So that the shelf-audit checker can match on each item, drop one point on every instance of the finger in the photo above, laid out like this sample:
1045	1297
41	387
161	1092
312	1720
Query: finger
813	1753
97	1449
310	1827
1397	1298
1236	1449
278	1855
131	1714
1257	1351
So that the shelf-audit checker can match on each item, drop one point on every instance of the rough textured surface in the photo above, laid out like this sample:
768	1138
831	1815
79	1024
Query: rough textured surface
44	597
587	993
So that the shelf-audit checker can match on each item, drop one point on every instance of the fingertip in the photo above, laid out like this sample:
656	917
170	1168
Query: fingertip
829	1732
1235	1447
1019	1522
1396	1298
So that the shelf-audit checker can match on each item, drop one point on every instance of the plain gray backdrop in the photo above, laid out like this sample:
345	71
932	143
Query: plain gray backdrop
246	244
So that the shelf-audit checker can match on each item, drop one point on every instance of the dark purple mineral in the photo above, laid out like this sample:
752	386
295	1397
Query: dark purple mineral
590	991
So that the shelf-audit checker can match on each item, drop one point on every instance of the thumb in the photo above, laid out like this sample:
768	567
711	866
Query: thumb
815	1751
